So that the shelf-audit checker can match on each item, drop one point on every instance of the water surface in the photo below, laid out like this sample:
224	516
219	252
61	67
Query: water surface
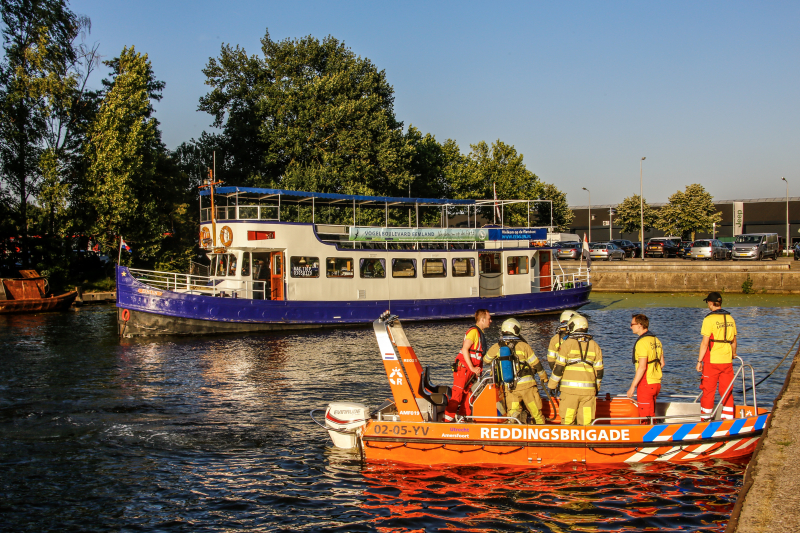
213	433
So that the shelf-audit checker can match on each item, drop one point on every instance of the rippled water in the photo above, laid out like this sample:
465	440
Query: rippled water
213	434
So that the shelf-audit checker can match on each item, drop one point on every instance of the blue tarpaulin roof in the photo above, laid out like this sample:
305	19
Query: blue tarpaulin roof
331	197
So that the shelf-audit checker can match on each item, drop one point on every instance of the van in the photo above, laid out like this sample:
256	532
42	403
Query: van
756	246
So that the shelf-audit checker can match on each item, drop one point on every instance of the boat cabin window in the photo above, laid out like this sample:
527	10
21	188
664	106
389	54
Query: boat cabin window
517	265
463	267
339	267
434	268
224	265
372	268
304	267
490	263
246	264
248	212
404	268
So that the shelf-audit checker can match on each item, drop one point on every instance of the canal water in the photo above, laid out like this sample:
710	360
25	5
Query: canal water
214	434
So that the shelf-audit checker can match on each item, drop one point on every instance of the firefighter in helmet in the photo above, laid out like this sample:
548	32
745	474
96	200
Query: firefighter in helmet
579	371
559	337
520	386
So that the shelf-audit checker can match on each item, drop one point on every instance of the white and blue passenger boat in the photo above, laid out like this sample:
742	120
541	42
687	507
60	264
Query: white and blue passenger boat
278	261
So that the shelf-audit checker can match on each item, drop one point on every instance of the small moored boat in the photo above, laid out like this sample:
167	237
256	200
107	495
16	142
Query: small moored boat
29	295
408	429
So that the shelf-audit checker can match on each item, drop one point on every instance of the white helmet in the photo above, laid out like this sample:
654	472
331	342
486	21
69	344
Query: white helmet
511	327
578	324
566	315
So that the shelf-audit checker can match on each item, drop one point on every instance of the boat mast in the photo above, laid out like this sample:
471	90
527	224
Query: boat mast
210	183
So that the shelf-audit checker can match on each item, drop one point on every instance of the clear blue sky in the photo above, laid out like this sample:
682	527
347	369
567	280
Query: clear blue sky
707	91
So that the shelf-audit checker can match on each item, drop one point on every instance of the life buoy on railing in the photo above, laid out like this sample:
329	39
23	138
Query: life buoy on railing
205	238
226	236
126	315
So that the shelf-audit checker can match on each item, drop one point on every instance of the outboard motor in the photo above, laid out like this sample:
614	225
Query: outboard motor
342	419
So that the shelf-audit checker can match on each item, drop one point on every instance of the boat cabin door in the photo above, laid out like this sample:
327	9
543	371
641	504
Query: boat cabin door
545	270
491	274
276	276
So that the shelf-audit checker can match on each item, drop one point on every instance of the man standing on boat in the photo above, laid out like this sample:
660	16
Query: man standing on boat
715	359
559	337
648	358
579	371
468	365
523	391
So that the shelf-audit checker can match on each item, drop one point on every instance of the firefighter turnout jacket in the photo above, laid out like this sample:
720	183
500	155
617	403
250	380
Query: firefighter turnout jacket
528	364
579	366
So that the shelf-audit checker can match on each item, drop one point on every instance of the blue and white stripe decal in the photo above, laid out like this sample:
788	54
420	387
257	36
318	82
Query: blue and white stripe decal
654	432
683	431
760	421
737	426
709	431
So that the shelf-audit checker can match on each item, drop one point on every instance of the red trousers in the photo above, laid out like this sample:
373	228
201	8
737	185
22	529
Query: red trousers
716	377
646	398
458	399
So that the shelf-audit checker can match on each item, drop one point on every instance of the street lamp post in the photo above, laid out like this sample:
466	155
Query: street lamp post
590	212
788	235
641	205
611	214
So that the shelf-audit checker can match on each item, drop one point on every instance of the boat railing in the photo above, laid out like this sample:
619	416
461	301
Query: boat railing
205	285
741	370
570	280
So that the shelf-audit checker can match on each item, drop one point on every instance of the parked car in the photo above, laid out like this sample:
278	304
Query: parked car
569	250
662	247
684	248
797	251
708	249
627	246
606	250
729	246
756	246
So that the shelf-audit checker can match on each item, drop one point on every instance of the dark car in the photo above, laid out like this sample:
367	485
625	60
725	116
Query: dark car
629	248
729	246
684	248
662	247
797	251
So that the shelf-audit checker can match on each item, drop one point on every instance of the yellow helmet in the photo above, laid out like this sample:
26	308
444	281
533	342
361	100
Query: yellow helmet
511	327
578	324
566	315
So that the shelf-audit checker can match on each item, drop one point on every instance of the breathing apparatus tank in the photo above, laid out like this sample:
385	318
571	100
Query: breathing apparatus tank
507	374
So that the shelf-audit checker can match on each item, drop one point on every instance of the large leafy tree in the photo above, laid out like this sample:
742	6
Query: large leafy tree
308	115
37	82
499	167
629	216
562	214
133	188
688	212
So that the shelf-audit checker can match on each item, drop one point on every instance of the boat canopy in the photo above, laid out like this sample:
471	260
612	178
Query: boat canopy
324	198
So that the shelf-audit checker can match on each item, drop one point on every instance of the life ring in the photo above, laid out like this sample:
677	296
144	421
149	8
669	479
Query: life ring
126	315
226	236
205	238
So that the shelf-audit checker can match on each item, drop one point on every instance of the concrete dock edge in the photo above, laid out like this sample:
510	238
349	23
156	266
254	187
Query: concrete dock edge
769	499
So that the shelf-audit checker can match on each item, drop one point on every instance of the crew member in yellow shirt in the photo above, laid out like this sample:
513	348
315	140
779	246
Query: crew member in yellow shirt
715	359
648	358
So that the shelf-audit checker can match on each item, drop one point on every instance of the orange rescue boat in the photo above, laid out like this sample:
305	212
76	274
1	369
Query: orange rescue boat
408	428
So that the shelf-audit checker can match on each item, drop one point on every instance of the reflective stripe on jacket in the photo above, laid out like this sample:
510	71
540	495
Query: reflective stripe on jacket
579	367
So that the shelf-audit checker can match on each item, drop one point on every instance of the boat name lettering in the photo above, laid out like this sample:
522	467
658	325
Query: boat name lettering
459	430
150	292
347	412
593	435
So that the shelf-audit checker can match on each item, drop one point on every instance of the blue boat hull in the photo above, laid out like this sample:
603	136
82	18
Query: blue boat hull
146	310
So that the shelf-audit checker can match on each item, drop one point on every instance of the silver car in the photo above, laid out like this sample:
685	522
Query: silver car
606	250
569	250
708	249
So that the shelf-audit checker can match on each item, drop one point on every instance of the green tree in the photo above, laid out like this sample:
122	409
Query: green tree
562	214
134	188
309	115
629	216
688	212
497	166
35	81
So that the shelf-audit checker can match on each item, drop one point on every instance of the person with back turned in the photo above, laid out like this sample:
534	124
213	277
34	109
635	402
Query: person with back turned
715	359
559	337
648	358
520	386
468	364
579	371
